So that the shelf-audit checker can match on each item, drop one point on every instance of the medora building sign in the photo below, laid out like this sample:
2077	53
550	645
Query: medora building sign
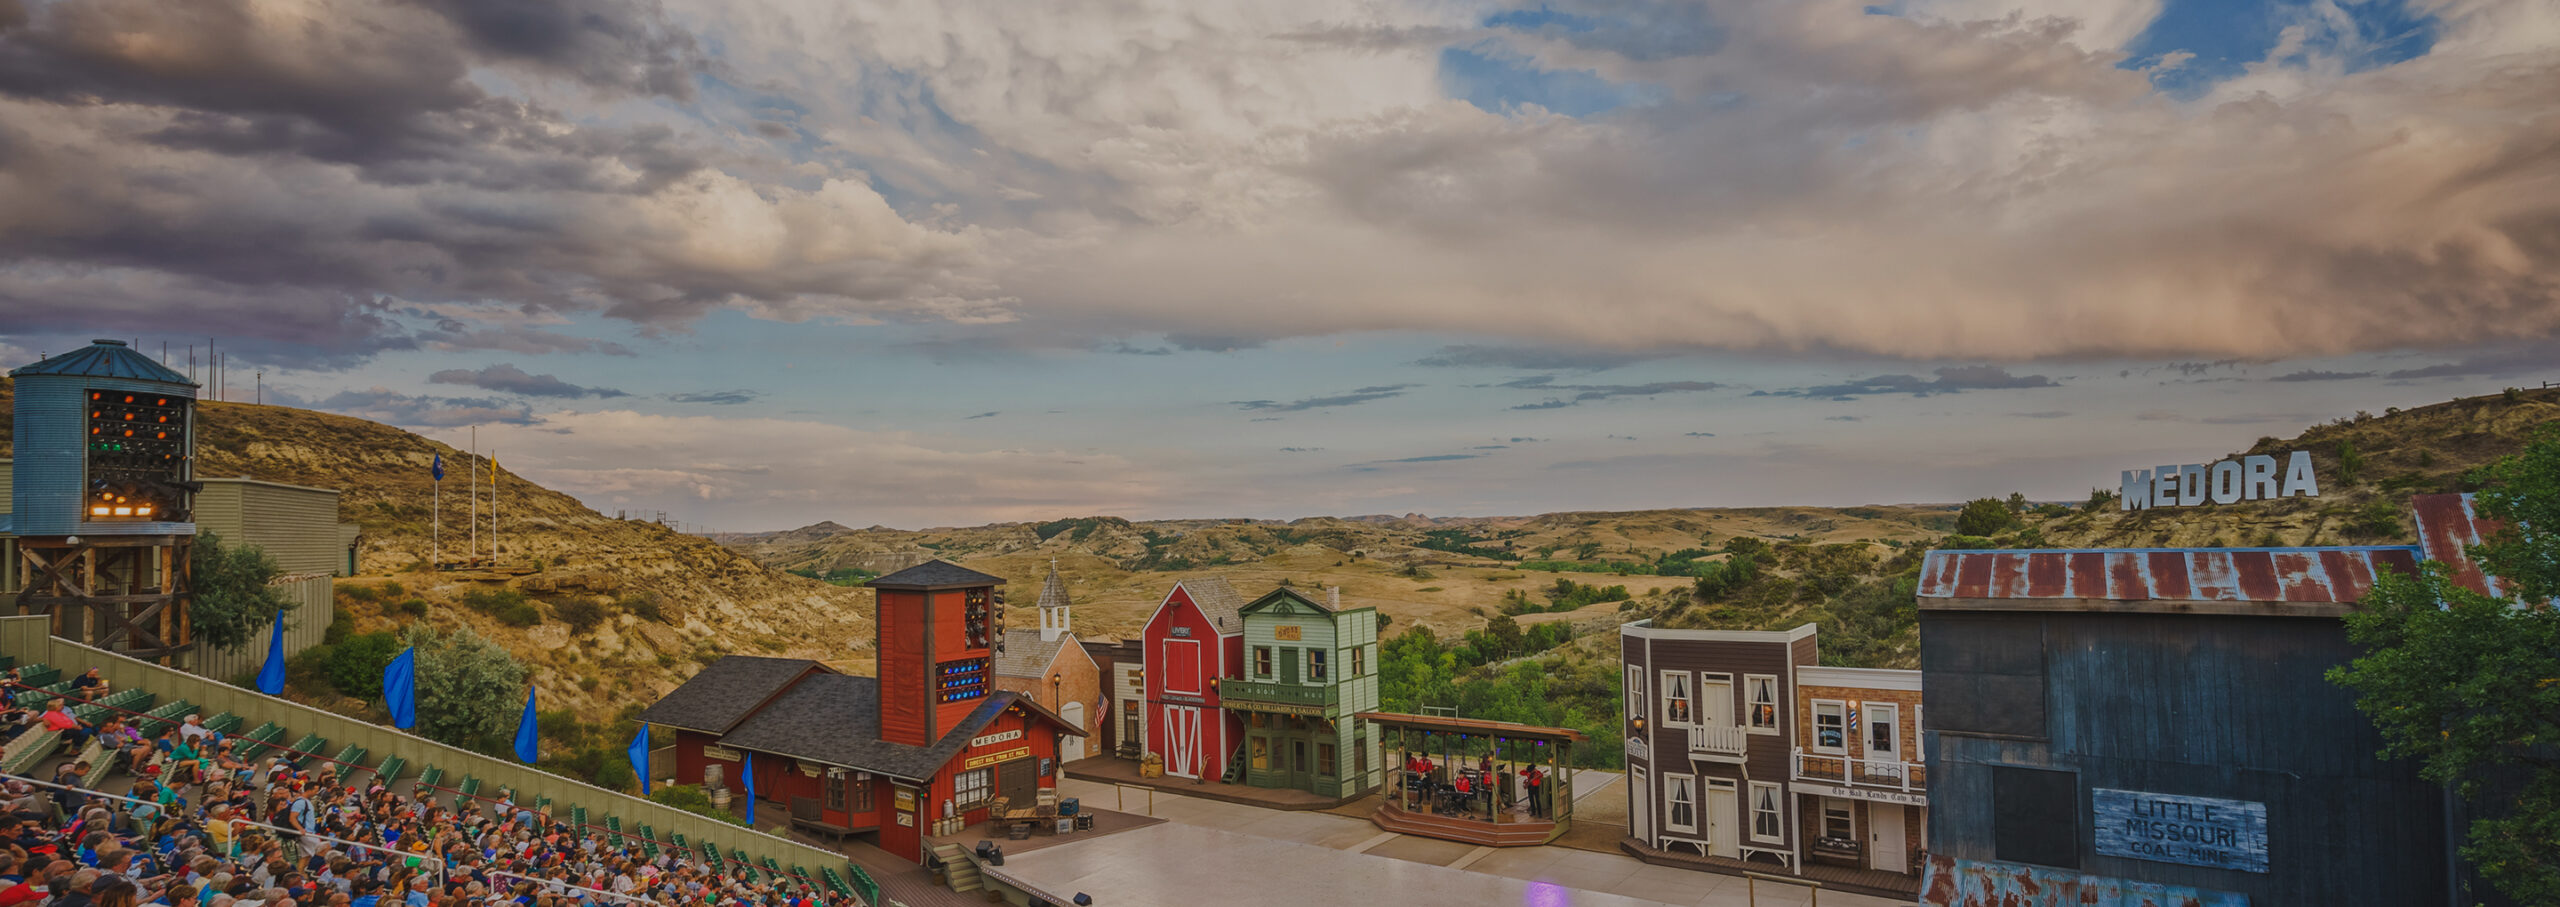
2255	477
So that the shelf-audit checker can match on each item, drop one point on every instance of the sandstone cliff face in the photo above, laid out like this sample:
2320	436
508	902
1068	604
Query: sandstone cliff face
669	602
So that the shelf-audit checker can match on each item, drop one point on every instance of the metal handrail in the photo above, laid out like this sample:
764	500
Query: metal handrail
1850	773
556	884
129	713
234	823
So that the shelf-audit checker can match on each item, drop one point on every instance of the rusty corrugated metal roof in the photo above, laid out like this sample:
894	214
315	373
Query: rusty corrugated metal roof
2273	575
2447	525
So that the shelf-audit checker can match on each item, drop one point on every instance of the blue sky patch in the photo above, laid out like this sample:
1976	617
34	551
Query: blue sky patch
1499	82
2226	37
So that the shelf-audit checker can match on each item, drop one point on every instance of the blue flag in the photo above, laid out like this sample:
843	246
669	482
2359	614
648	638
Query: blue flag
528	735
640	757
271	677
438	469
751	790
400	689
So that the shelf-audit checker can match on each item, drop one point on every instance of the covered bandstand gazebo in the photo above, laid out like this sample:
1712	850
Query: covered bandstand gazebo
1493	783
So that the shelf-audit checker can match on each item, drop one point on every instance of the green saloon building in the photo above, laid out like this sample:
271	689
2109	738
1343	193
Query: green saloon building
1309	669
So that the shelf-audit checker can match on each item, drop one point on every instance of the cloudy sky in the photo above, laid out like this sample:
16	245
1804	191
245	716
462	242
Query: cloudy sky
937	262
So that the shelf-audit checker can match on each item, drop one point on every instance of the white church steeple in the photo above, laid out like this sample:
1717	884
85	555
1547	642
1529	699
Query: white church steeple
1053	605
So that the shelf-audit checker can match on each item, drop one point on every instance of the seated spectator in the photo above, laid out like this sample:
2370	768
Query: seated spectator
89	685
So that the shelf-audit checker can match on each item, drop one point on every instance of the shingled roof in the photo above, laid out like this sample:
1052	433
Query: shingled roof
1026	654
1216	600
935	574
1053	591
726	691
835	719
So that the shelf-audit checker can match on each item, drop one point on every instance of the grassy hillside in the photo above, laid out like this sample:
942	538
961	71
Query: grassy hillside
619	611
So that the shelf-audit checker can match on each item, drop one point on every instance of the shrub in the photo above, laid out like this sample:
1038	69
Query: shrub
1984	517
355	664
414	607
2350	462
391	588
690	798
647	605
469	689
2514	394
366	594
581	613
232	599
507	605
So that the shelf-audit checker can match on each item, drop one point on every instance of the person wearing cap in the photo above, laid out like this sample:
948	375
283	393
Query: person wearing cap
89	685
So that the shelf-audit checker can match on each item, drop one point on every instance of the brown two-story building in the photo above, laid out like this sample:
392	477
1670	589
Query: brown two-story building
1744	754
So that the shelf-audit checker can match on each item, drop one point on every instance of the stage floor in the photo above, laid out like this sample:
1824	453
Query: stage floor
1176	864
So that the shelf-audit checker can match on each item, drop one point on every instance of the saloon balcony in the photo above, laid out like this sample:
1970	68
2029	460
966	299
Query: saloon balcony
1863	775
1719	742
1285	698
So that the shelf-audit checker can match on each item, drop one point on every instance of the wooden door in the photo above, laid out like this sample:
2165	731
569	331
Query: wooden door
1182	741
1715	701
1302	764
1071	749
1639	807
1724	822
1885	847
1017	782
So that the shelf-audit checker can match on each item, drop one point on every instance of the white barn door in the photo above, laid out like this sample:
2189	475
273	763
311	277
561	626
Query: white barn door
1071	749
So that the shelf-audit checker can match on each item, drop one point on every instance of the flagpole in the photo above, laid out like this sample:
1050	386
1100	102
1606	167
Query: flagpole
493	503
435	535
474	466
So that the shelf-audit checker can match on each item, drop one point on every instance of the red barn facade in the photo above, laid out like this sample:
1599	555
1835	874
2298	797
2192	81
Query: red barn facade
927	745
1194	641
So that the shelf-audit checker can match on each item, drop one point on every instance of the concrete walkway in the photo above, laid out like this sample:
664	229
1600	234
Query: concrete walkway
1354	850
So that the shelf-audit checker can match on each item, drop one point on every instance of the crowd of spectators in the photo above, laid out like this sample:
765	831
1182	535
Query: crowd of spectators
194	825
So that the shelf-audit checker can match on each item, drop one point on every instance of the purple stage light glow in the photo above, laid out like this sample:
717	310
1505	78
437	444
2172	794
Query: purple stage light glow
1545	894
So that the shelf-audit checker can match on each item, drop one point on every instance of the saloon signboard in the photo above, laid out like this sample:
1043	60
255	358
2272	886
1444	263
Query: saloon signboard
2167	828
2254	477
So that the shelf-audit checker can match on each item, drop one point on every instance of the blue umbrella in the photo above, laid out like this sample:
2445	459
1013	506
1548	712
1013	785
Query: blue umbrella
528	735
400	688
271	677
639	754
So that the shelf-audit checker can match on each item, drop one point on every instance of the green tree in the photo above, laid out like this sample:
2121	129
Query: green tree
355	663
1984	517
232	600
469	689
2469	684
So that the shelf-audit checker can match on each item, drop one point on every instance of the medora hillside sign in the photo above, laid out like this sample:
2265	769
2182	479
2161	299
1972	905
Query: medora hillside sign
2255	477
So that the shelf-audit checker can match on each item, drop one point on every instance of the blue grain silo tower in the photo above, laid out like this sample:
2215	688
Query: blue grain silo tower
104	486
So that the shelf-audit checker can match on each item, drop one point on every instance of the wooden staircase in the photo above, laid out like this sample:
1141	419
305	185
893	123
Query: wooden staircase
958	868
1472	831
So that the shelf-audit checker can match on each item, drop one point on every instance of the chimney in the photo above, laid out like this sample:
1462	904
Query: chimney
1334	597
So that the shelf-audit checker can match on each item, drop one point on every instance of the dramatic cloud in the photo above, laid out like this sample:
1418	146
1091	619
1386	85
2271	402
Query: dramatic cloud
985	415
1949	380
410	411
1358	396
1580	187
716	398
1584	393
508	379
1527	358
2497	363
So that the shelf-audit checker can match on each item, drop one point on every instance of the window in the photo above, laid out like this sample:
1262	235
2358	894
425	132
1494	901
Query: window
861	788
1635	693
1766	823
1884	731
1830	727
836	783
970	790
1835	819
2035	816
1262	661
1359	661
1315	665
1359	750
1324	759
1675	698
1764	702
1261	754
1680	803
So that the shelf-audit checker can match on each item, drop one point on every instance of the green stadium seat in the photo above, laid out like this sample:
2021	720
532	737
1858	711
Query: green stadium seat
470	788
225	724
261	741
302	750
37	675
166	716
349	760
614	824
578	822
30	749
8	661
44	694
434	777
390	768
835	882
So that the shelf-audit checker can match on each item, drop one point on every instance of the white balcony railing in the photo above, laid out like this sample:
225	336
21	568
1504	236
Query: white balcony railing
1719	739
1878	774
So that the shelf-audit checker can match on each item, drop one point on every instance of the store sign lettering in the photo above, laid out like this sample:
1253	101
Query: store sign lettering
2167	828
974	762
2254	477
1288	633
995	738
